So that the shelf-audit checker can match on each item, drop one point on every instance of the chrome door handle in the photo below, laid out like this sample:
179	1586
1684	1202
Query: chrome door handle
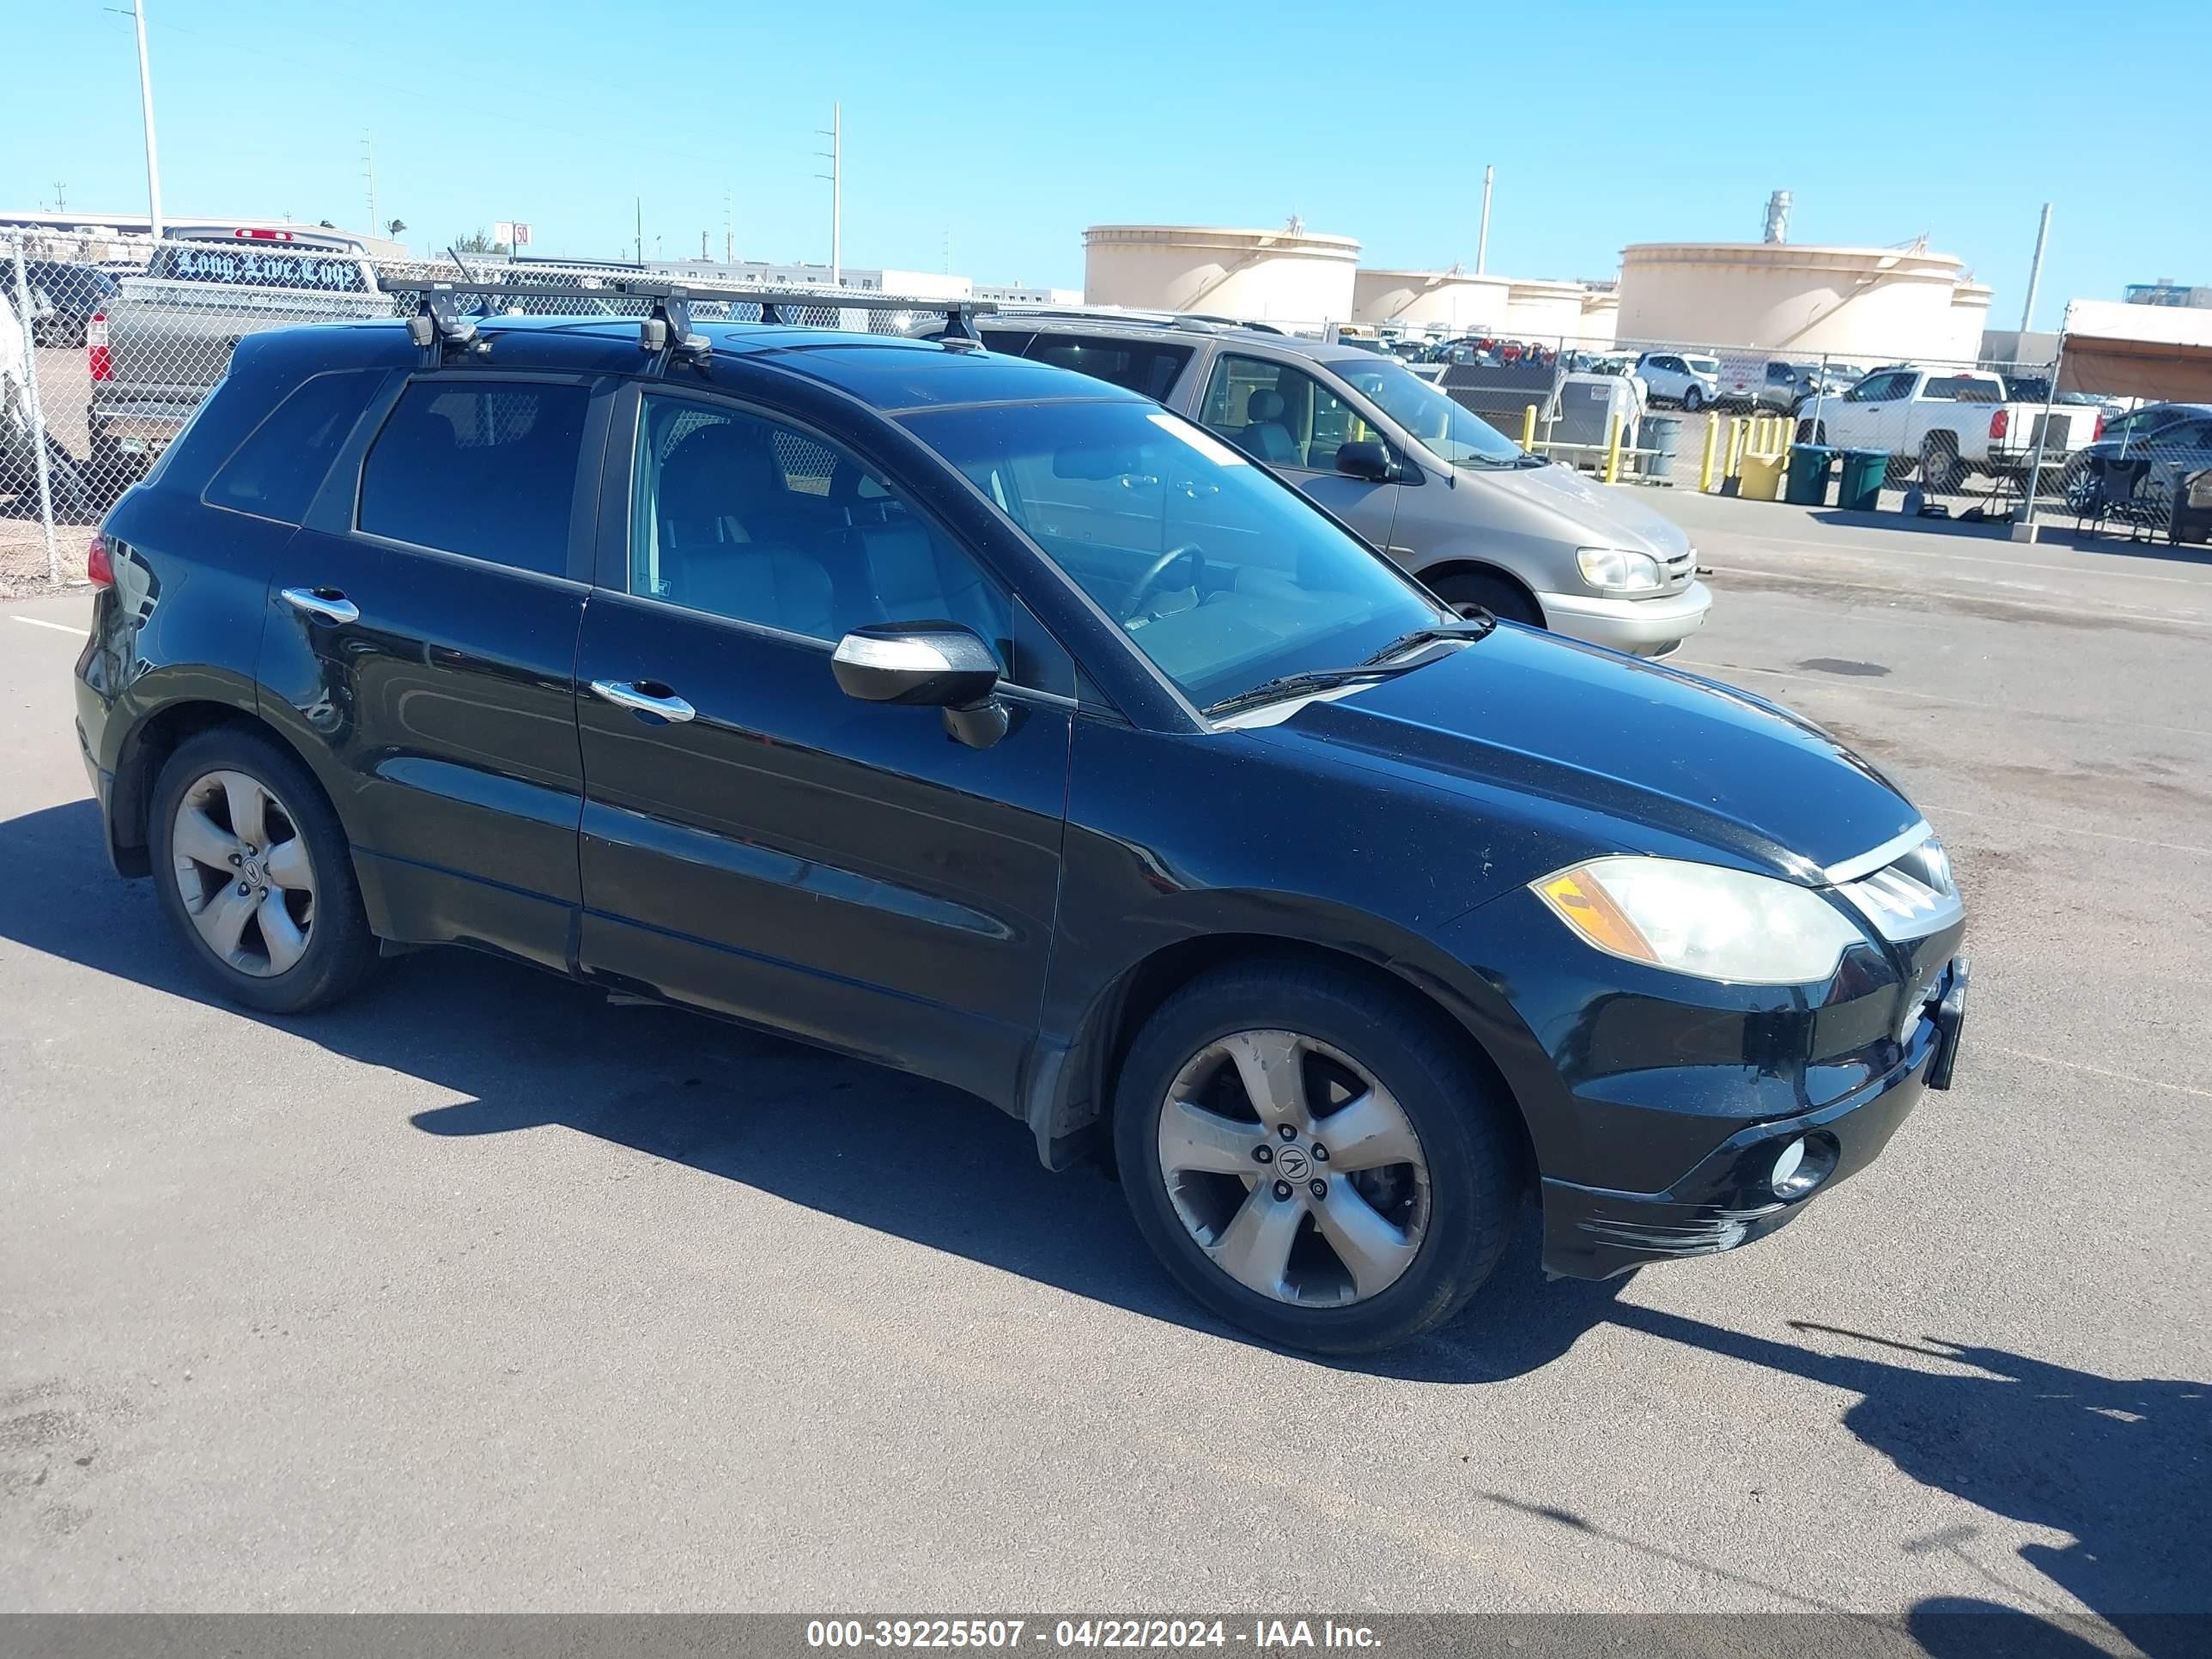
624	694
326	604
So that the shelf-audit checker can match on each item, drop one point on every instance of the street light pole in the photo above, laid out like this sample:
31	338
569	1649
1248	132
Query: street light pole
836	157
146	99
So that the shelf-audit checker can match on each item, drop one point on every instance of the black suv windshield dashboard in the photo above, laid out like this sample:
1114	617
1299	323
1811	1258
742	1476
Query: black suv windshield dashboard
1221	574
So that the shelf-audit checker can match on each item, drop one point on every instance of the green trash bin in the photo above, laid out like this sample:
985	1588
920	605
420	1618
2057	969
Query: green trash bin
1809	466
1864	471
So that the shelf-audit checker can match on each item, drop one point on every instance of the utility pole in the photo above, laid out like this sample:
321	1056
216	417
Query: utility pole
729	229
835	156
2035	272
1482	238
146	101
368	169
61	202
641	230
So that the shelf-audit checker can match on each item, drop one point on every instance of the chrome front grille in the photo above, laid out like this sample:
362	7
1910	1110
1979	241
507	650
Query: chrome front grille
1911	896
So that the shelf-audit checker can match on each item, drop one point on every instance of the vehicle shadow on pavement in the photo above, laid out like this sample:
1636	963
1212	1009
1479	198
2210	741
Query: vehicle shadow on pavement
2054	533
2121	1465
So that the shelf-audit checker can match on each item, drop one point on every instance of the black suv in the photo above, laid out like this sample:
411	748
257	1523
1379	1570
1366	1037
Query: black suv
829	682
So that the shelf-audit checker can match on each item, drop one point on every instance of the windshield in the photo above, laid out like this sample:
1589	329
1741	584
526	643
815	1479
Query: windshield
1222	574
1451	432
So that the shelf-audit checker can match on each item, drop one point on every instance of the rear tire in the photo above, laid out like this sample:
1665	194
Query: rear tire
281	928
1940	469
1424	1192
1471	592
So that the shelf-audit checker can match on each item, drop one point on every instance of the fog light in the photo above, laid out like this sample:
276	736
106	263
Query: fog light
1786	1168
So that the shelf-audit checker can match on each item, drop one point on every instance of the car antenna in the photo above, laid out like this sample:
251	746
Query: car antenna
455	253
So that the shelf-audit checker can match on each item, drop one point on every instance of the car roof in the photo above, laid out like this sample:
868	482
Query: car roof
888	372
1138	328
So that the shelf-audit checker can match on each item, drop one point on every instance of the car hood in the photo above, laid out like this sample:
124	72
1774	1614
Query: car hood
1623	744
1604	519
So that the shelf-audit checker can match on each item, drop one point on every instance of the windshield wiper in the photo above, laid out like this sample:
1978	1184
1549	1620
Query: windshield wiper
1472	628
1376	667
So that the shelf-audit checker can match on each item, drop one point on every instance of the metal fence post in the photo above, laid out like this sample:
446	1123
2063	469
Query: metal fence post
2042	435
37	415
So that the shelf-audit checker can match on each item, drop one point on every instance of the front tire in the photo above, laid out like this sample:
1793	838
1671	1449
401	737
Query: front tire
1693	399
1313	1158
253	869
1471	593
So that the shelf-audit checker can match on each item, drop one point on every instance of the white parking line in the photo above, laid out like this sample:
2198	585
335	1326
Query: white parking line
2066	716
62	628
2100	1071
2124	613
1862	549
2068	830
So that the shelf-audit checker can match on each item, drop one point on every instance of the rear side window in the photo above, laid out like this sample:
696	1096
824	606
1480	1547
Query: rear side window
1964	389
1145	367
274	474
487	469
251	267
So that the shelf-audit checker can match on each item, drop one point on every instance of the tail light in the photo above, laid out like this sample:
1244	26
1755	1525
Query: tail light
95	348
98	568
2000	422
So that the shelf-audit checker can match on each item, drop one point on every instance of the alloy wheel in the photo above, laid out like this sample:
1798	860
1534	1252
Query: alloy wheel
1294	1169
242	869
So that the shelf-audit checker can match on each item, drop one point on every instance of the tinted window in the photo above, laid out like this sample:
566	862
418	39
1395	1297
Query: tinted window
1280	415
1148	367
1964	389
251	267
275	473
749	519
486	468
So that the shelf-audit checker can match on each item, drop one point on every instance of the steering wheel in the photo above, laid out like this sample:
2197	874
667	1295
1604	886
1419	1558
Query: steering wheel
1151	579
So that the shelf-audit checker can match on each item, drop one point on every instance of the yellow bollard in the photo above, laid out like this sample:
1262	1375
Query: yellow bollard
1705	466
1613	449
1734	446
1528	429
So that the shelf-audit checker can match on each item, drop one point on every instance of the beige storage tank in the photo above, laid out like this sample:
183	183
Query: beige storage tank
1456	301
1601	317
1970	320
1868	304
1293	275
1537	309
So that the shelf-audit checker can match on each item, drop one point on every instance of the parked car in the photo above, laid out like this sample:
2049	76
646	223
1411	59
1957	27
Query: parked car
1949	423
64	298
2140	475
1768	383
865	690
1485	525
1685	378
165	338
21	435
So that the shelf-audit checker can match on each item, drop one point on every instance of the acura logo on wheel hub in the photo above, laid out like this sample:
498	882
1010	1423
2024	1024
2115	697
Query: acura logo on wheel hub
1292	1163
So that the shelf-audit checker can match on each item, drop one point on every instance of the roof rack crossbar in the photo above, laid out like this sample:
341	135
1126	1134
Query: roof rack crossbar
782	299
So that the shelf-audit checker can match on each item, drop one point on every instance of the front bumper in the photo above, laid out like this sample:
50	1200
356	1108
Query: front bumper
1642	627
1592	1232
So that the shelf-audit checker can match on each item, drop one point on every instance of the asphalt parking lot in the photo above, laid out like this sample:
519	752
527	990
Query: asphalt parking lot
479	1293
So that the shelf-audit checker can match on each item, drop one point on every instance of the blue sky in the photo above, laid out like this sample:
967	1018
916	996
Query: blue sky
1010	128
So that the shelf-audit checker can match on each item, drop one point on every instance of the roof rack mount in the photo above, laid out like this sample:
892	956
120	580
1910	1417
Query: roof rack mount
440	321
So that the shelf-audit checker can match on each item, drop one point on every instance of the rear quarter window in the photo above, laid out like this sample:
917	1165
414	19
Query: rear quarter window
275	473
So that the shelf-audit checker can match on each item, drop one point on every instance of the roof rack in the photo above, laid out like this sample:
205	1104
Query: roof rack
447	313
1203	322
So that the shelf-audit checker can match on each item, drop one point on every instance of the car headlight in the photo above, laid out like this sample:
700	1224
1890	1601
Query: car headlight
1700	919
1618	569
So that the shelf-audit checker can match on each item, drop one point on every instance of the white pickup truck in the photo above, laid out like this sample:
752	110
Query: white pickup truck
1948	423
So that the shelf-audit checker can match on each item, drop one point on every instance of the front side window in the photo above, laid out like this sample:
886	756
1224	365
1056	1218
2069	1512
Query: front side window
1220	574
740	517
484	468
1450	431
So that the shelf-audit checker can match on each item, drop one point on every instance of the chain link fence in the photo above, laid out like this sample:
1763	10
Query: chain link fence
102	363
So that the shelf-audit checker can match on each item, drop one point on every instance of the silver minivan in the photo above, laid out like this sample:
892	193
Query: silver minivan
1446	496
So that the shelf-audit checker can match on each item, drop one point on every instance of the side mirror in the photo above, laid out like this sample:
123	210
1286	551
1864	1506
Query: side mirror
1364	458
931	664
